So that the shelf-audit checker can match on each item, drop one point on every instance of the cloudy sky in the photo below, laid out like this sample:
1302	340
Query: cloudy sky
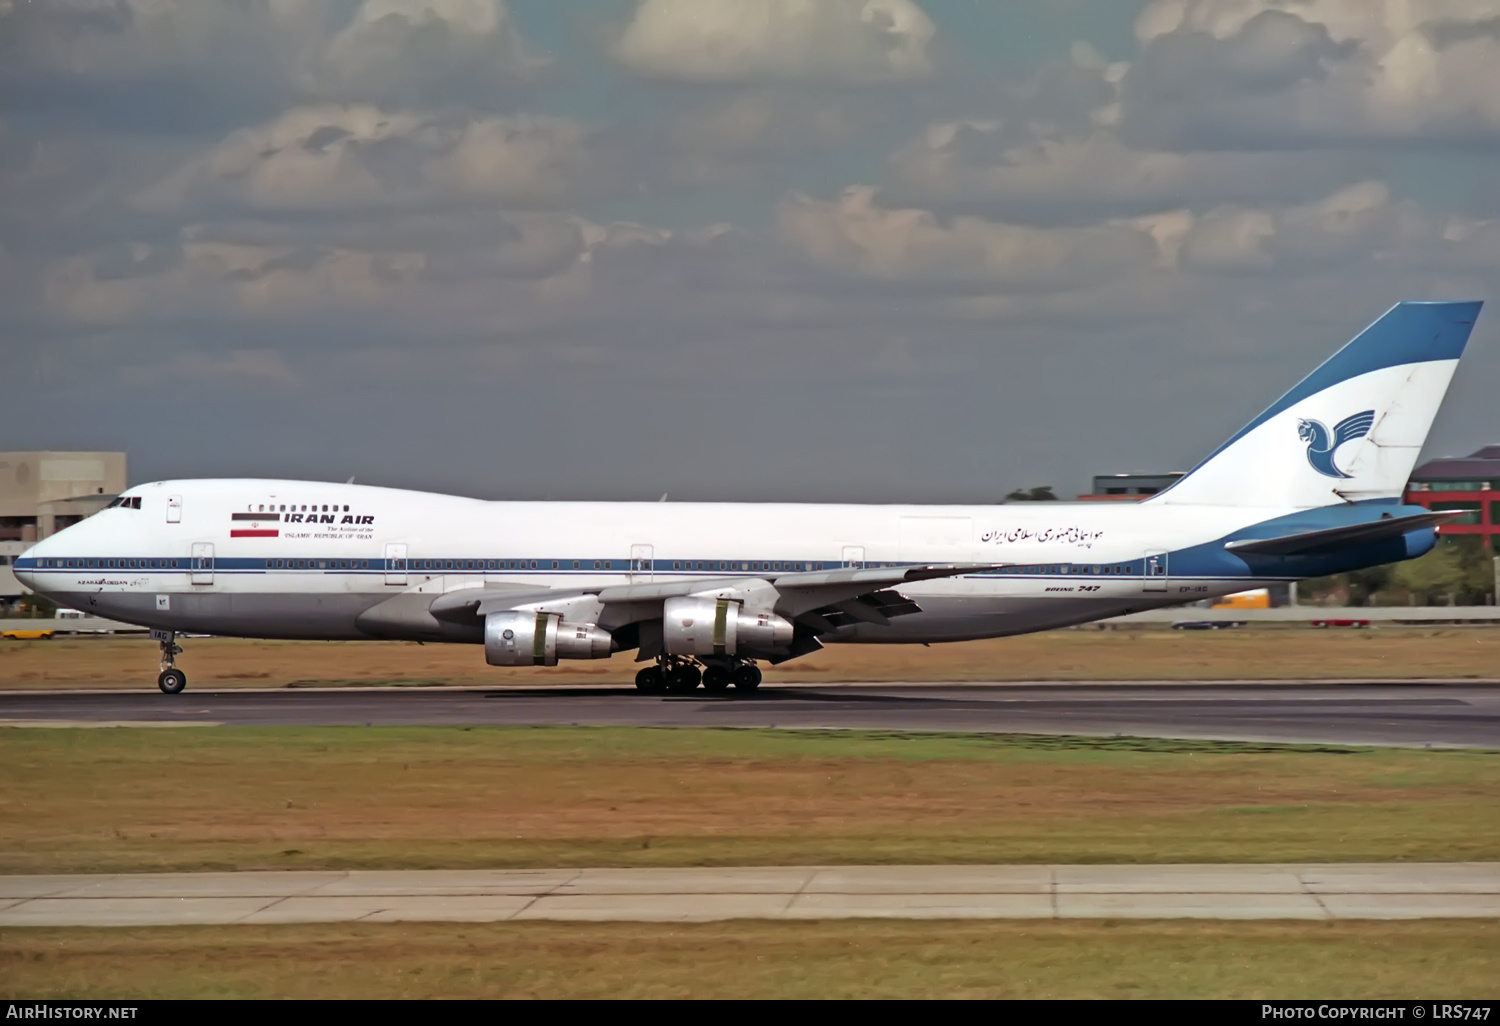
878	250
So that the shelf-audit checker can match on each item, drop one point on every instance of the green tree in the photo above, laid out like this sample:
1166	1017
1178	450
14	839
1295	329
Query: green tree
1457	567
1364	585
1042	494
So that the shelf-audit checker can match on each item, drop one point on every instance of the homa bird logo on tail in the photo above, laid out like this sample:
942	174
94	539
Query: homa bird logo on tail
1320	447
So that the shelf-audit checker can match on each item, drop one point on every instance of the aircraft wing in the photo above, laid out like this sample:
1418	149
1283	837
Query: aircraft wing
844	595
1317	541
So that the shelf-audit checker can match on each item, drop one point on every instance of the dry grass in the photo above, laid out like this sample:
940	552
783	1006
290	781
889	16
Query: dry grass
240	798
1124	655
1454	960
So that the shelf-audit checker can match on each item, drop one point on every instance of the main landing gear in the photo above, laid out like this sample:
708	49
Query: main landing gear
679	676
172	680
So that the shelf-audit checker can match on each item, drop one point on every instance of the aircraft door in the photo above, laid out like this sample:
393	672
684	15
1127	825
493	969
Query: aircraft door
395	562
202	571
174	509
642	558
1155	578
854	556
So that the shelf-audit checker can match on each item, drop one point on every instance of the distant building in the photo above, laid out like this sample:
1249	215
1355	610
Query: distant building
1462	482
1128	487
10	588
43	492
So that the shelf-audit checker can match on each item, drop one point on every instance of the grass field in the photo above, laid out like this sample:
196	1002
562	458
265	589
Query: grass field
240	798
1456	960
1268	654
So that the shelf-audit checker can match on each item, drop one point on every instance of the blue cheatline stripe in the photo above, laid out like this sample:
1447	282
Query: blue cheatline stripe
1409	332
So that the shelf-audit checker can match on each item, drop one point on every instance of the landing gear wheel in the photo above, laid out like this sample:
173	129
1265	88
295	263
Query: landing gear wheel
684	678
747	677
171	681
651	680
716	678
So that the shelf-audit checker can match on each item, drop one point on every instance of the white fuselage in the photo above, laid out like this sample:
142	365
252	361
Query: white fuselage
307	560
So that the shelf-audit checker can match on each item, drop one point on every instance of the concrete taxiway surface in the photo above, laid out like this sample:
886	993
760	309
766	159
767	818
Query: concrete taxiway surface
1408	891
1411	714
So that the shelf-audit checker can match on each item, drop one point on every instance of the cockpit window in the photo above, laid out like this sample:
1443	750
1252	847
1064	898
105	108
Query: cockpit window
126	502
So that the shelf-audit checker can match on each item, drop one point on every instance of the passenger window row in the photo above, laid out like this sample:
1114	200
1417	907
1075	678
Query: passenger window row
271	507
109	564
318	564
1072	569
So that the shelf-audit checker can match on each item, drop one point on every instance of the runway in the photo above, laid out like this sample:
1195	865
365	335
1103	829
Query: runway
1352	891
1362	713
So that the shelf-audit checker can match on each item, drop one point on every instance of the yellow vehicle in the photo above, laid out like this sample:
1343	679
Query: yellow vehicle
1259	598
25	634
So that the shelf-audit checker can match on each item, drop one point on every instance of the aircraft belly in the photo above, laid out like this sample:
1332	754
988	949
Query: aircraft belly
290	615
967	618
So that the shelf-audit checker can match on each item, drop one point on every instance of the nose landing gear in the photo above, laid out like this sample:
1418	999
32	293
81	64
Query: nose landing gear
172	680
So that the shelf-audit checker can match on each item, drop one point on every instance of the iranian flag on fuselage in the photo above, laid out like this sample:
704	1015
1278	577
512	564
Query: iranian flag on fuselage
254	525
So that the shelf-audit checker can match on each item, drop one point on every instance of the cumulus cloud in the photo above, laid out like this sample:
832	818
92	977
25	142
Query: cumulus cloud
1360	222
521	272
521	246
246	272
1050	151
735	139
737	41
854	236
1314	73
435	50
1025	172
139	282
330	157
1360	225
104	39
195	62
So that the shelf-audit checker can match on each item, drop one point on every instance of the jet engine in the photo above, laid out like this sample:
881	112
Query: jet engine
707	626
540	639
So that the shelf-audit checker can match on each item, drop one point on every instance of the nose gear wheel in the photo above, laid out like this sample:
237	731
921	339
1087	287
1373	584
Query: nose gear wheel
172	680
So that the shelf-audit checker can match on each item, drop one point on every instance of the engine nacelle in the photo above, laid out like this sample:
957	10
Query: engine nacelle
706	626
541	639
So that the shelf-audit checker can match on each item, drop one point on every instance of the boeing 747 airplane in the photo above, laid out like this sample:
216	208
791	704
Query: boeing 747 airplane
702	591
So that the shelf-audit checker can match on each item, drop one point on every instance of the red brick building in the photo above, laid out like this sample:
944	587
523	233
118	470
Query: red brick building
1462	482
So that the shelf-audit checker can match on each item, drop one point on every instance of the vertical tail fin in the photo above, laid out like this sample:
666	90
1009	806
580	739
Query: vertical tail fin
1351	429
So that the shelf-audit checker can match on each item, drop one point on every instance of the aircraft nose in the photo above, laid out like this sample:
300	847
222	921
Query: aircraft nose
22	567
28	563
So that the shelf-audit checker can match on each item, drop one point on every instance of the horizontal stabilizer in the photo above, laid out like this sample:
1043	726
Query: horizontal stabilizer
1333	537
